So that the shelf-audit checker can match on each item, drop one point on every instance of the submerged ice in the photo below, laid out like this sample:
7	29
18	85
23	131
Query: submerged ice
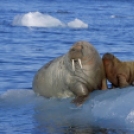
37	19
107	109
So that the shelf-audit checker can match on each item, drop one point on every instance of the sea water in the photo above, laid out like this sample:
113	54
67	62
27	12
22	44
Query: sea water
36	31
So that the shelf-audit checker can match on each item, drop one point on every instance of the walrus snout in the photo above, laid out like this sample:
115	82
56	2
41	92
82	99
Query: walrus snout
76	52
76	61
75	55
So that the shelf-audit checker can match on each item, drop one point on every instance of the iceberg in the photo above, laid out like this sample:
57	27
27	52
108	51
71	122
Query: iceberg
37	19
77	23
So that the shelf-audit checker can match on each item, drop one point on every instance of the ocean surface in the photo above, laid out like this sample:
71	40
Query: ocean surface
33	32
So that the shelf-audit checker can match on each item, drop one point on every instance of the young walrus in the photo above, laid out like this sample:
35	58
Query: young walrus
120	74
75	74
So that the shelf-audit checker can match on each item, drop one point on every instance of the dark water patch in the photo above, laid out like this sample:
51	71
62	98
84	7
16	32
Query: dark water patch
63	12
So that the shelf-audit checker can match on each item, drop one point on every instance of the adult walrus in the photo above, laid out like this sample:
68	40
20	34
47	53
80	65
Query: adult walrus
120	74
76	73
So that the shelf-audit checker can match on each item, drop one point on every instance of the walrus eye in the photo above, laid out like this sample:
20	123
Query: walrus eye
73	49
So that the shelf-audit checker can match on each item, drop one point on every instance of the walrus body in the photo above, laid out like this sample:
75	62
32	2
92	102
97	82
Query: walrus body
120	74
74	74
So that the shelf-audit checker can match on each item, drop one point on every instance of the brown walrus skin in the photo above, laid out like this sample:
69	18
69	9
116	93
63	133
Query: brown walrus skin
119	73
75	74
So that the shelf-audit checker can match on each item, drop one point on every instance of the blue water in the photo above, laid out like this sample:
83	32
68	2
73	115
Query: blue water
34	32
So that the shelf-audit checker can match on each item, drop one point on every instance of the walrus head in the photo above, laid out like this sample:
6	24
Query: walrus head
81	53
109	58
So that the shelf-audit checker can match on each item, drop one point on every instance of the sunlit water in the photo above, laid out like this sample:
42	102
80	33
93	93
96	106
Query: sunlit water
34	32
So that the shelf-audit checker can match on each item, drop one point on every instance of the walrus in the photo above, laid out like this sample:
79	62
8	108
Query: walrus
75	74
119	73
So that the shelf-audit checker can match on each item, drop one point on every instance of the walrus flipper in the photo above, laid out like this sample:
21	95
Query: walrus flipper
122	81
81	92
79	100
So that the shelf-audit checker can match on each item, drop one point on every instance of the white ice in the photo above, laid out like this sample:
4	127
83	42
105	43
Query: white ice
108	109
37	19
77	24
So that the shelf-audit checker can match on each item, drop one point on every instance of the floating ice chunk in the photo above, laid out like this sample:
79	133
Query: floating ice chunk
37	19
104	108
77	24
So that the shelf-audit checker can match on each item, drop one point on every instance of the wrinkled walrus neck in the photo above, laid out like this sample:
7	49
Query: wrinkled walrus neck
116	60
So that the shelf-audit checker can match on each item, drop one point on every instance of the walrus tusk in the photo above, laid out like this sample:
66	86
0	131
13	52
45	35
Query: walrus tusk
79	61
73	67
